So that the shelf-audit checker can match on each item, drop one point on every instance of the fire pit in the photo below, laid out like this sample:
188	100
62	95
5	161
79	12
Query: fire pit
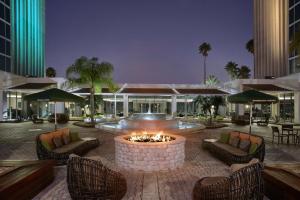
145	137
149	151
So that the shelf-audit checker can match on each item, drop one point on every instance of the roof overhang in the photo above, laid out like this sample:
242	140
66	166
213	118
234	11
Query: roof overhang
160	89
266	85
29	84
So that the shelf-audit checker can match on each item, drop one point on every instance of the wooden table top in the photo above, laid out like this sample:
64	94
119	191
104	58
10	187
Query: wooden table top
286	173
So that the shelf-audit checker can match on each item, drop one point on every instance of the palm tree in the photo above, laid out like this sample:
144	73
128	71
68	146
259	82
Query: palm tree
217	101
114	88
204	48
212	81
250	46
232	70
206	105
98	100
50	72
92	73
244	72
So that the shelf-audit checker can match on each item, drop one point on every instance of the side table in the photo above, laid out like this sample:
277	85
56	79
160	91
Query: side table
207	141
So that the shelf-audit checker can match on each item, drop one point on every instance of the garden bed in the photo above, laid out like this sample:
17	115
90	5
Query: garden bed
84	124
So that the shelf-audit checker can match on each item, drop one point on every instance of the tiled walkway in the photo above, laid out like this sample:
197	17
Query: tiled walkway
17	142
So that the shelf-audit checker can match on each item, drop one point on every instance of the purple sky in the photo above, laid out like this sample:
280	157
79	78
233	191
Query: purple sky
149	41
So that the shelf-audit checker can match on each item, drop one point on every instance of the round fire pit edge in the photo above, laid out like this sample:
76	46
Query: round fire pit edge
149	156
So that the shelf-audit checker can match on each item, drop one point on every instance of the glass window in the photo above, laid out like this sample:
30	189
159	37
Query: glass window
297	12
291	15
2	63
7	14
297	65
7	30
2	45
7	51
291	3
296	1
291	33
7	2
297	27
7	64
2	28
291	66
1	11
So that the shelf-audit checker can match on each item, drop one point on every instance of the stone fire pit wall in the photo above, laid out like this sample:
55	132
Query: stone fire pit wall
154	156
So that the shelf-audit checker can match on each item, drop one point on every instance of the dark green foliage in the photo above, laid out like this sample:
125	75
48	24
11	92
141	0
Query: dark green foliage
92	73
50	72
250	46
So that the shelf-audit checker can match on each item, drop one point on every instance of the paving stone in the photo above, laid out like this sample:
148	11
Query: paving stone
17	141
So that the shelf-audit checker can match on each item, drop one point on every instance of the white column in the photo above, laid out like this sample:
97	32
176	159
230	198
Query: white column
185	107
125	105
240	109
1	104
297	107
275	110
115	105
174	106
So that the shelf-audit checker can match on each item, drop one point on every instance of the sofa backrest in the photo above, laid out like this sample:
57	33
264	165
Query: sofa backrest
47	137
245	136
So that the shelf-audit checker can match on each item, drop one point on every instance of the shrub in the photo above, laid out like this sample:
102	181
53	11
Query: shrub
60	117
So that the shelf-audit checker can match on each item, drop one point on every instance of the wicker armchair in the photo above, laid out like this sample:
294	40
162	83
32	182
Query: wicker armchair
231	158
90	179
244	184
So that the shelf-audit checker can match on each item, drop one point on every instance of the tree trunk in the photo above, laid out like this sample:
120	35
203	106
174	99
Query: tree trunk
204	71
92	102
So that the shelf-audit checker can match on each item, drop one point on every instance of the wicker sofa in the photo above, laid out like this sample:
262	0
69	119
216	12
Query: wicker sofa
47	149
243	184
90	179
228	153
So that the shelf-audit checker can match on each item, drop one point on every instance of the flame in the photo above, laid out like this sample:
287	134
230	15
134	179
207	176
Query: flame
149	137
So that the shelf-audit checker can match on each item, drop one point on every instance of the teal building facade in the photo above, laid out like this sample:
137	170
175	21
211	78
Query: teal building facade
28	37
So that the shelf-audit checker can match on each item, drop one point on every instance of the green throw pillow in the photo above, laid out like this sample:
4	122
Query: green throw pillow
46	145
74	136
252	148
224	138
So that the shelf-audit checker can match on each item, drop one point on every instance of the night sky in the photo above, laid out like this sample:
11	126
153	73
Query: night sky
149	41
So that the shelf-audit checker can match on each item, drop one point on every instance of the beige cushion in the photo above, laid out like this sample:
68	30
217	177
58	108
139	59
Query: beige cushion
236	167
68	147
230	149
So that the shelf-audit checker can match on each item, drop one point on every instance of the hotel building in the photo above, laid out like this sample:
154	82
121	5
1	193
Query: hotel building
5	36
22	65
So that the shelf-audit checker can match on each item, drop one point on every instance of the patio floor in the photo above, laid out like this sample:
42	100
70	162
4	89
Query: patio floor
17	142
